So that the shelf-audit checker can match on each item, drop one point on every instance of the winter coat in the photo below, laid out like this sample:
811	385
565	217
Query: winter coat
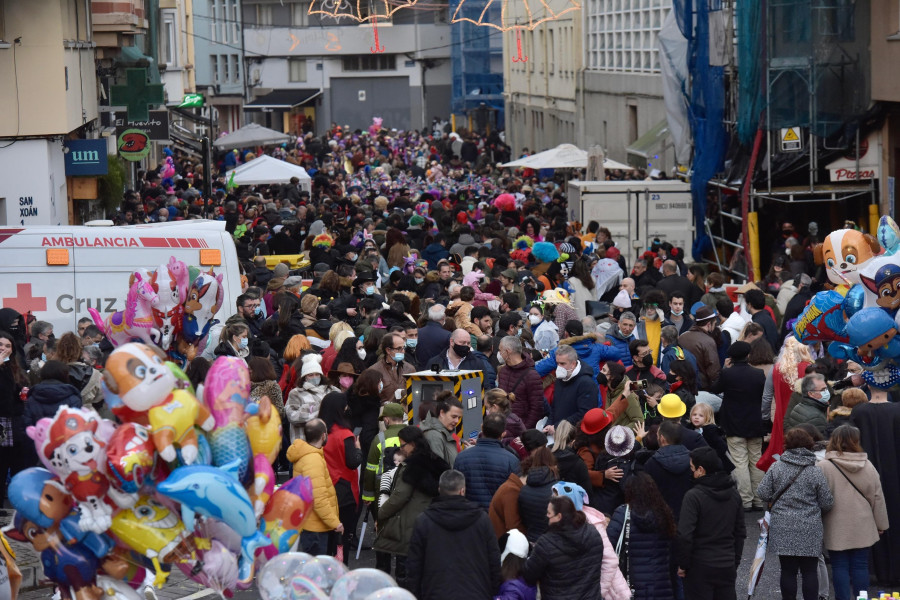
516	589
486	466
272	390
392	378
648	554
837	417
303	405
566	563
808	410
703	347
309	461
858	514
533	499
45	398
473	570
669	355
715	440
796	527
670	468
440	439
87	380
504	508
572	469
711	528
433	339
611	495
572	398
489	373
364	412
620	343
612	583
433	254
590	351
624	410
741	387
523	381
415	486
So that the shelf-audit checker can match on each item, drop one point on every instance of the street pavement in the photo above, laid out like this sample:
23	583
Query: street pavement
180	588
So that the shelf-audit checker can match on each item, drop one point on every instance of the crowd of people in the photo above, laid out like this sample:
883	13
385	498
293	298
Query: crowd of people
632	413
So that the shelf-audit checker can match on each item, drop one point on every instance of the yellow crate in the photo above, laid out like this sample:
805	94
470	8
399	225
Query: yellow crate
294	261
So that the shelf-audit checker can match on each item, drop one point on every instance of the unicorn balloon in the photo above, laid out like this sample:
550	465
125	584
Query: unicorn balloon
171	284
136	322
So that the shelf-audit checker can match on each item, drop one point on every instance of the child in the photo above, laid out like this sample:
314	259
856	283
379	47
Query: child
53	391
511	562
703	420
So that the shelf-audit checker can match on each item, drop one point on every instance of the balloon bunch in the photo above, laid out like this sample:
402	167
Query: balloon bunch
172	307
299	576
859	319
185	481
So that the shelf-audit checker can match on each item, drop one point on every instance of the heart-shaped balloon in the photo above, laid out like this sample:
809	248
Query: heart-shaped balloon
822	320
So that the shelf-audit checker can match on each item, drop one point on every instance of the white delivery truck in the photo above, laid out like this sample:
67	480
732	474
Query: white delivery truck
636	212
57	273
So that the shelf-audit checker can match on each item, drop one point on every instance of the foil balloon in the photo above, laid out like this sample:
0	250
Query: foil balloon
264	431
130	457
171	284
871	339
263	483
822	320
359	584
888	235
219	569
225	391
136	321
285	512
204	299
115	589
883	378
215	493
152	530
181	379
855	300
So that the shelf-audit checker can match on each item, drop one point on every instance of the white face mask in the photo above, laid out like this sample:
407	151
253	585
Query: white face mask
361	352
535	319
314	380
561	372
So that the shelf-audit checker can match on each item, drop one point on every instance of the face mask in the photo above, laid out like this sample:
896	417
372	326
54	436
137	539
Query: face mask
602	380
826	396
380	387
361	352
244	342
500	359
346	382
561	373
398	357
411	343
462	351
535	319
471	207
419	280
352	258
370	291
647	360
43	358
677	313
314	380
520	332
671	377
96	344
258	310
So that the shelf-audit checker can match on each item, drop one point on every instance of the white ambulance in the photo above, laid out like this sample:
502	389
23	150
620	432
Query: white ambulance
57	273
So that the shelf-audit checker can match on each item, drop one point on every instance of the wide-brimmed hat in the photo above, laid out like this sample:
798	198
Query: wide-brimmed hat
341	369
619	441
671	407
555	296
595	420
704	314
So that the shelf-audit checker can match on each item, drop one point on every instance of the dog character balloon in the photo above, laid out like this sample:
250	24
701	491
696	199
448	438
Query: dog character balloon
844	252
204	300
138	375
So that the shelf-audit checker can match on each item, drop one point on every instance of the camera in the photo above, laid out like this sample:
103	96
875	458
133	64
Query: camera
640	384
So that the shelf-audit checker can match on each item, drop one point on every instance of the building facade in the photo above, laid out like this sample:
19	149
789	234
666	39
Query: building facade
218	48
306	71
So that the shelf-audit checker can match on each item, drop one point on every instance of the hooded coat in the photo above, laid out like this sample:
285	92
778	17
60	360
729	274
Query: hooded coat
620	343
45	398
648	554
703	347
473	568
533	499
572	398
670	468
808	410
711	528
590	351
440	439
303	405
523	381
309	461
796	527
566	562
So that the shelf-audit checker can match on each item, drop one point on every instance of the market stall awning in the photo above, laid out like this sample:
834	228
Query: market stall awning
265	170
564	156
251	135
283	99
648	145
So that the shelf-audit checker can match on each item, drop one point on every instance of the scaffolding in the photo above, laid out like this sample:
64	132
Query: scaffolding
476	57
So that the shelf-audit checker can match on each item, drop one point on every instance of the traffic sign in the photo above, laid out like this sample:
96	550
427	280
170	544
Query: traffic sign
790	140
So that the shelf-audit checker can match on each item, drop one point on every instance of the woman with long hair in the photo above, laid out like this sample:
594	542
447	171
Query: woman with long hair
566	560
647	528
343	457
262	383
584	286
365	405
790	367
16	449
859	515
234	340
571	467
540	474
296	347
352	351
82	376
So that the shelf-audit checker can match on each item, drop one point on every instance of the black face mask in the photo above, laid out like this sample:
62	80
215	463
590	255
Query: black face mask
614	383
461	351
671	377
602	380
647	361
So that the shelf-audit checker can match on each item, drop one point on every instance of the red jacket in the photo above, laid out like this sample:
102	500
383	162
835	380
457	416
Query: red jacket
336	460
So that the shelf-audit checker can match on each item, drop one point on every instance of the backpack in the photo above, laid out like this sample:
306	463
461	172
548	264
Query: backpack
388	449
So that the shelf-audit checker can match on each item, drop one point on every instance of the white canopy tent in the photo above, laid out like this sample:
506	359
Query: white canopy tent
265	169
564	156
251	135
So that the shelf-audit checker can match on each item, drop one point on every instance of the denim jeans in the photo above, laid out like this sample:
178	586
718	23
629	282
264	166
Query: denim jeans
849	572
314	542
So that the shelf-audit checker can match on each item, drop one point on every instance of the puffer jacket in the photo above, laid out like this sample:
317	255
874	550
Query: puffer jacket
566	562
309	461
486	466
45	398
808	410
572	398
303	405
711	528
516	589
859	513
440	439
573	469
504	509
612	583
590	351
648	554
523	381
533	499
796	528
620	343
87	380
670	468
415	486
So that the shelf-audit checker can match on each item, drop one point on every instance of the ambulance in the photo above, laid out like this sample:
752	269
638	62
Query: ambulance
57	273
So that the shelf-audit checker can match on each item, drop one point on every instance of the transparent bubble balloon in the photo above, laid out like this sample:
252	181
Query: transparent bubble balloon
324	571
359	584
391	593
275	578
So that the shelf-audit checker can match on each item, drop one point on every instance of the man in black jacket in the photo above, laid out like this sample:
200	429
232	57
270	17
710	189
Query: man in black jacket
711	531
756	306
670	466
575	390
472	568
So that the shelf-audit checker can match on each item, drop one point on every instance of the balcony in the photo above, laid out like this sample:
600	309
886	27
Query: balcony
114	21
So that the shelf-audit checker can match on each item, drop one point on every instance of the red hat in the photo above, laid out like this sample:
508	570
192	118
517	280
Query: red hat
595	421
66	424
613	252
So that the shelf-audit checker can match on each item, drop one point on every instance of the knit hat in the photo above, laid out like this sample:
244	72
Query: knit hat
573	492
533	439
281	270
392	410
292	282
619	441
311	364
416	220
595	420
671	407
516	543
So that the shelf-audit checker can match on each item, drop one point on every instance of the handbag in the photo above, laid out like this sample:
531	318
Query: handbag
622	547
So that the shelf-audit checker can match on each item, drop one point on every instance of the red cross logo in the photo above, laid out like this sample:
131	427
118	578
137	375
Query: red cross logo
24	301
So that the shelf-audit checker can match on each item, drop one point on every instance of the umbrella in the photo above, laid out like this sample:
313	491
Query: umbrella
362	532
759	559
251	135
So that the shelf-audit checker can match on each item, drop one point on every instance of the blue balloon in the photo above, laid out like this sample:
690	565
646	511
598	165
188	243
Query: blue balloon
855	300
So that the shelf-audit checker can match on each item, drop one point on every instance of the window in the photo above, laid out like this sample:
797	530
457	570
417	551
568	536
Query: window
235	22
214	68
263	14
235	68
297	70
168	49
214	19
226	75
369	62
621	34
300	14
